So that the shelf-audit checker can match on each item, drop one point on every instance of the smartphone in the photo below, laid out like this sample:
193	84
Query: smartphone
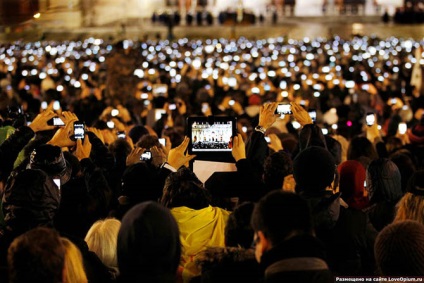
172	106
313	114
365	87
393	101
146	156
79	130
114	112
110	124
56	105
268	139
56	121
44	105
121	135
402	128
57	182
205	107
283	109
370	119
231	102
162	141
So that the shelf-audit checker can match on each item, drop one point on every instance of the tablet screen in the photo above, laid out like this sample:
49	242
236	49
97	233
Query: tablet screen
211	134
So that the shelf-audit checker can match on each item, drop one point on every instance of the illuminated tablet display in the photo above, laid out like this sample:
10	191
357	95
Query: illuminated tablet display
211	137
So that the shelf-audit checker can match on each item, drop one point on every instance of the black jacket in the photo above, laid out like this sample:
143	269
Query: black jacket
298	259
346	234
11	147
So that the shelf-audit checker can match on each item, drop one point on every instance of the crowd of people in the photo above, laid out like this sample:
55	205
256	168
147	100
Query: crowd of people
98	185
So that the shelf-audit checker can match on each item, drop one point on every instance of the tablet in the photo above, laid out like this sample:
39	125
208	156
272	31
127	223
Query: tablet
211	137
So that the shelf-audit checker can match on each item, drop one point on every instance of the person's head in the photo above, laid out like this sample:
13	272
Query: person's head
31	199
36	256
50	159
405	162
102	238
361	147
411	205
399	249
276	167
383	181
352	183
278	216
148	141
238	231
183	188
137	132
141	183
73	268
313	170
120	148
311	135
148	244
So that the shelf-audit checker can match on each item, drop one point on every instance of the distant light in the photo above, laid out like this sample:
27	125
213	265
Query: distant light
36	16
349	123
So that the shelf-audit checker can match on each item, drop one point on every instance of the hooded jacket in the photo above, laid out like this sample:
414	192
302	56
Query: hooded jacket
199	229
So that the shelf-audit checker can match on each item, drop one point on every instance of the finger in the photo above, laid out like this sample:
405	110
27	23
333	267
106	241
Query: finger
79	143
184	144
190	157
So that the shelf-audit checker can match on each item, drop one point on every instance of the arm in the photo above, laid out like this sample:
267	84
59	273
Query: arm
257	148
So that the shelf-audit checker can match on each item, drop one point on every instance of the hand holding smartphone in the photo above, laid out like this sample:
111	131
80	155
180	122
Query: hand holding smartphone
79	130
283	109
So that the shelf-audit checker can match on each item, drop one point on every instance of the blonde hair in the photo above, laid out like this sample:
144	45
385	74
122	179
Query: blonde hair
102	240
73	267
410	207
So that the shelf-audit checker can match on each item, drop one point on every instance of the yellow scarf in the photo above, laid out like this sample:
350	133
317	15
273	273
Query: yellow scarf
199	229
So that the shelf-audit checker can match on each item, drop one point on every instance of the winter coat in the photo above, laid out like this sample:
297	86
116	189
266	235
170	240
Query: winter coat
298	259
228	264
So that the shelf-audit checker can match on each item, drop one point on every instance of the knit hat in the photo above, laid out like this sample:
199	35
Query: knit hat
383	181
50	159
255	99
313	169
399	249
352	177
416	134
416	183
148	244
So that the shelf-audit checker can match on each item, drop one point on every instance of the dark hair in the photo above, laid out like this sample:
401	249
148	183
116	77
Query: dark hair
37	255
276	167
361	147
148	141
238	231
183	188
279	213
